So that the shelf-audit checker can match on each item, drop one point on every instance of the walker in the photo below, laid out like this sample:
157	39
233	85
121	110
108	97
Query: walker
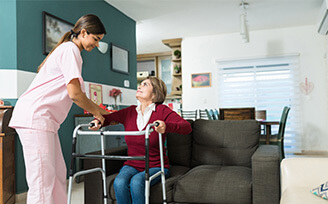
102	134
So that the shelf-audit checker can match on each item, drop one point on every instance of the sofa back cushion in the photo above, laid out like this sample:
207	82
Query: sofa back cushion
179	148
224	142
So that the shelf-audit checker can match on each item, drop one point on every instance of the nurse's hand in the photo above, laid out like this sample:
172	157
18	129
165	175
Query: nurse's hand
95	125
161	127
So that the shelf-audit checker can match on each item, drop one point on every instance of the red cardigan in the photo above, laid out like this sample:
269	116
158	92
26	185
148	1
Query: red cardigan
136	144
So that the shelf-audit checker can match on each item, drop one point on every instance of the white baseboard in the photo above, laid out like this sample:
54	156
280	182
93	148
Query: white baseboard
20	197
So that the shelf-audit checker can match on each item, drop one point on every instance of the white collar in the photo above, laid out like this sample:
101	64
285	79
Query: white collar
151	107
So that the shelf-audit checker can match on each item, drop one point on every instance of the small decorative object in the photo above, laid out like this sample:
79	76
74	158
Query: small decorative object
177	54
306	87
177	69
115	93
53	29
200	80
96	93
2	103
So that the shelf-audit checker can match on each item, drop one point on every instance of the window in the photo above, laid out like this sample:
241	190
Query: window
266	84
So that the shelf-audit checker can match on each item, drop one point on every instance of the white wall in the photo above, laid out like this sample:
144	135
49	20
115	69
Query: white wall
199	54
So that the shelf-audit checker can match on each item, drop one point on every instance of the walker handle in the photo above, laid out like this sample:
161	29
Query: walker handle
91	124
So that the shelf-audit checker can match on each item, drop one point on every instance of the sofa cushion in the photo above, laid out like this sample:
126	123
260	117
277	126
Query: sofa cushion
179	148
156	190
215	184
224	142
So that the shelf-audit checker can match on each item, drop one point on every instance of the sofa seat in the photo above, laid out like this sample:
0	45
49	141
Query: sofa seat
215	184
300	195
156	191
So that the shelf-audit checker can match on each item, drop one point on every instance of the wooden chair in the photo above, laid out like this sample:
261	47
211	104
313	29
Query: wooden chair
189	114
237	113
278	139
260	114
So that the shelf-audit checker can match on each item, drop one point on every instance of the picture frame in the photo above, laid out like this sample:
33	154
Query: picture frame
53	30
201	80
96	93
120	59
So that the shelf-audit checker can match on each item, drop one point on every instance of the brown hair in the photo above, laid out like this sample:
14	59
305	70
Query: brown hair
89	22
159	89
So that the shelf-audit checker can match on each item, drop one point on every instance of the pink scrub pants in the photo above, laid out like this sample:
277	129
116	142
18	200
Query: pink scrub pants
45	167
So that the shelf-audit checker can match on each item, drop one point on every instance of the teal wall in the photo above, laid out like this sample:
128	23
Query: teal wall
21	49
8	44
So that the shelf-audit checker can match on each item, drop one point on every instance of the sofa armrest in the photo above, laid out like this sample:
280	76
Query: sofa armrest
266	175
93	189
303	172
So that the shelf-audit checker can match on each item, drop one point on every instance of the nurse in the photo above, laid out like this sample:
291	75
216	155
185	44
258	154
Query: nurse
41	110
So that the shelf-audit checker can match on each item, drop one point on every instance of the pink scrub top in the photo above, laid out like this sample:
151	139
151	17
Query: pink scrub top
46	103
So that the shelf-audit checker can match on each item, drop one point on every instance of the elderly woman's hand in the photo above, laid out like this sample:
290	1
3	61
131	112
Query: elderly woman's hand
161	127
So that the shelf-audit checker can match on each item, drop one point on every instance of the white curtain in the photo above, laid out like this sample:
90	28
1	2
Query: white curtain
266	84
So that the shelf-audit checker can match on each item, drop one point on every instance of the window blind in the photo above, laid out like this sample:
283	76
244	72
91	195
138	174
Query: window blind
266	84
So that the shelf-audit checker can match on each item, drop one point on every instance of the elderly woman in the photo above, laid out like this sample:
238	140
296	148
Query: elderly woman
129	185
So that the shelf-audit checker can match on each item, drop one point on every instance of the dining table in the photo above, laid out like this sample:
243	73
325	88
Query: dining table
268	125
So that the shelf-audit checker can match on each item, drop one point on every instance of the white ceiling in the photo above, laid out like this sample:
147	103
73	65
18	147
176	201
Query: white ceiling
166	19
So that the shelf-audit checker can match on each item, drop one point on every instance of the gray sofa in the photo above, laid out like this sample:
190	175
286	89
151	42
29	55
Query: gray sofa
219	162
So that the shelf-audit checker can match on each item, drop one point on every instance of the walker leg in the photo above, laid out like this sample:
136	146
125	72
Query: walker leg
102	137
147	191
163	188
70	184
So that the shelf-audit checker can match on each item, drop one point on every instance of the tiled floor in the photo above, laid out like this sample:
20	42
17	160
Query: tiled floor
77	194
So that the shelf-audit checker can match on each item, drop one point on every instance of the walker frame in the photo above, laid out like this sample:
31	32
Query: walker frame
103	157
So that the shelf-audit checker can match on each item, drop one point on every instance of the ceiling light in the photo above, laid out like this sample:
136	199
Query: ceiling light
103	46
243	22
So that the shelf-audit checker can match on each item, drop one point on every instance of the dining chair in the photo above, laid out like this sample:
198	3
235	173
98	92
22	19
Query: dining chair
209	114
216	114
203	114
237	113
260	115
278	139
189	114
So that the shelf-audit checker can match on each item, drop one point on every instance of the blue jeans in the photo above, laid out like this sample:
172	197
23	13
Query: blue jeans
129	184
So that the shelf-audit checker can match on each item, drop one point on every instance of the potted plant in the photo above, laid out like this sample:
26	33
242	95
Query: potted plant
177	69
177	54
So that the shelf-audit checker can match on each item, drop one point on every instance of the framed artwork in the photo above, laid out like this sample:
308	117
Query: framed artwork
120	59
200	80
95	93
53	29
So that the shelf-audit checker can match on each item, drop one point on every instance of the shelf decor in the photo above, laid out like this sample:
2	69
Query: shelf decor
95	93
200	80
53	29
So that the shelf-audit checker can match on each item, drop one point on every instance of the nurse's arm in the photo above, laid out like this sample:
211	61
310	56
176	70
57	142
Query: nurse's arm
80	99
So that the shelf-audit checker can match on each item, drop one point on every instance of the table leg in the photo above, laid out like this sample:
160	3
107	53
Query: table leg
268	134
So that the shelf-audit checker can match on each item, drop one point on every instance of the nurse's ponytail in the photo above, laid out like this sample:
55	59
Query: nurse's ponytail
89	22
